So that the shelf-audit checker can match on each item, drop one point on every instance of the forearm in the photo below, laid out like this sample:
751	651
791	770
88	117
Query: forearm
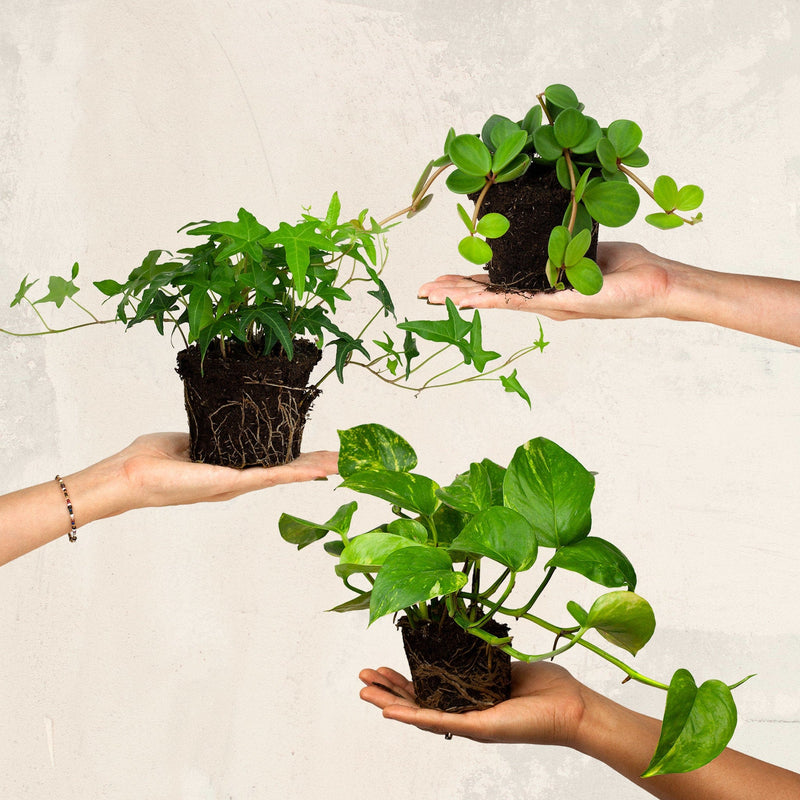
626	740
32	517
763	306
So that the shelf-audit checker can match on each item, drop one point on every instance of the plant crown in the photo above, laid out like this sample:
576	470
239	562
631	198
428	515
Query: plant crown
593	163
429	558
264	288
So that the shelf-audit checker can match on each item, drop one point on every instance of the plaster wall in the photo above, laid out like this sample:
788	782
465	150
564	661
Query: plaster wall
185	653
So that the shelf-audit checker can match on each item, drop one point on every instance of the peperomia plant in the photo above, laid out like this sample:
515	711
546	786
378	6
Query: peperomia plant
430	558
594	164
263	288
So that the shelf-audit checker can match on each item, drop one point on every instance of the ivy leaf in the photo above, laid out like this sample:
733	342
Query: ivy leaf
345	347
512	384
244	235
452	330
410	350
381	294
698	724
374	447
410	576
297	241
22	291
59	289
474	349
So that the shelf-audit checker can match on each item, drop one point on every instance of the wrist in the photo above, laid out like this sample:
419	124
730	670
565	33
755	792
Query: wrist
98	491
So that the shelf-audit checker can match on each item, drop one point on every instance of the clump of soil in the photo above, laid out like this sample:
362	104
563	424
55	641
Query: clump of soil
453	670
534	204
247	410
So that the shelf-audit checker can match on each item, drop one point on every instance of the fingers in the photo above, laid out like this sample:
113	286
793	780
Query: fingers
385	687
467	724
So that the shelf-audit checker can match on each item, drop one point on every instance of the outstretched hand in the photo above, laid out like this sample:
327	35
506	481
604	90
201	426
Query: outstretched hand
636	283
158	472
546	707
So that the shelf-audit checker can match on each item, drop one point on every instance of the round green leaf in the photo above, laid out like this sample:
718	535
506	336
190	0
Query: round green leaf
461	183
562	173
475	250
665	191
638	158
664	221
577	248
569	127
502	130
516	169
561	96
492	225
625	136
606	154
533	119
508	149
552	490
611	203
590	139
413	575
581	186
372	447
544	140
465	218
585	276
470	155
489	126
501	534
557	245
689	198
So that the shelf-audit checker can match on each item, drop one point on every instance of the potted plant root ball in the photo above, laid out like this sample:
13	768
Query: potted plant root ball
455	560
542	185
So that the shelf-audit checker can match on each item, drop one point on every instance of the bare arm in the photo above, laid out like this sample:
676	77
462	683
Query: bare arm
638	283
548	706
153	471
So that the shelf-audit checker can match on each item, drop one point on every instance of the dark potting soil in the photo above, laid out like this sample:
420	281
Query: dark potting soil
534	204
453	670
247	410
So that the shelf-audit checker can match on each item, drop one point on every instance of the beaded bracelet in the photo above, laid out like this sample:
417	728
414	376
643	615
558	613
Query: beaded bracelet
73	533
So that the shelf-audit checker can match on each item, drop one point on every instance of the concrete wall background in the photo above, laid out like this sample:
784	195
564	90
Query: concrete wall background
184	653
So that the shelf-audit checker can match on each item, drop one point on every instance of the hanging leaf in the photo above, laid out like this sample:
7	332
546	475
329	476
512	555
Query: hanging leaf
374	447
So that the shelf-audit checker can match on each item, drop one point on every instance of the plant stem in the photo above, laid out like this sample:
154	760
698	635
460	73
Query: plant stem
490	613
524	609
415	201
59	330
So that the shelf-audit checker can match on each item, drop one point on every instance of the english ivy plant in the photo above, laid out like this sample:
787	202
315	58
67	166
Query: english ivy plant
595	164
439	541
262	287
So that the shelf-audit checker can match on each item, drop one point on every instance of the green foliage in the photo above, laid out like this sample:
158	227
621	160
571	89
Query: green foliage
438	542
592	162
266	287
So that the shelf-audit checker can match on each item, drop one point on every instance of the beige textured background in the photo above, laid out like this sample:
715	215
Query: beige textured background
184	653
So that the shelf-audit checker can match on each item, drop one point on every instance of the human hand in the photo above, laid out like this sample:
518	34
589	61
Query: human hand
546	707
155	470
636	283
